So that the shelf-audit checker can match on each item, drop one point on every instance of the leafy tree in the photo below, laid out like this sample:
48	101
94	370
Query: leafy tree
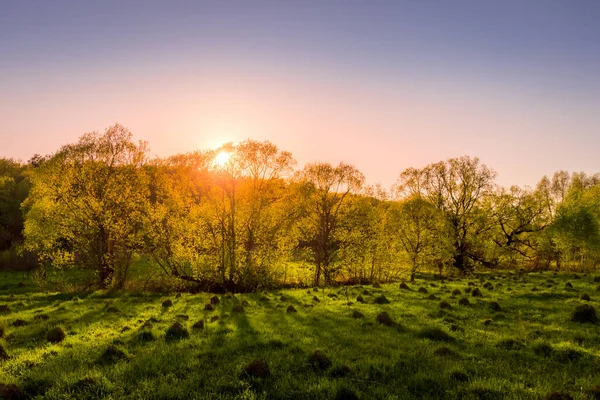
325	190
422	232
87	202
457	188
576	227
174	231
520	216
14	188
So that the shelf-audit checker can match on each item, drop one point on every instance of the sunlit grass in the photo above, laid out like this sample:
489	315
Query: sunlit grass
484	354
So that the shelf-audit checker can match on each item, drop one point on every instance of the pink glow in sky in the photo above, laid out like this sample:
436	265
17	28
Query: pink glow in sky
385	88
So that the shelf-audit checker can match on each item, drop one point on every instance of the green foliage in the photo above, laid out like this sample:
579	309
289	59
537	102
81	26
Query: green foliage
86	205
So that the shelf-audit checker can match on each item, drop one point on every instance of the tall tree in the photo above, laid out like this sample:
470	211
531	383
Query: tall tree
325	190
456	187
86	204
422	232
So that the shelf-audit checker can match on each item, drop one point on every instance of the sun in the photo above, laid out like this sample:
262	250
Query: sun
222	158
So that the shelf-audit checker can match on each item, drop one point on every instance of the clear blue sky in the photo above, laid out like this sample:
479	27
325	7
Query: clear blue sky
382	85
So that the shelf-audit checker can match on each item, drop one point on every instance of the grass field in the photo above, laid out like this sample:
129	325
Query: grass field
118	345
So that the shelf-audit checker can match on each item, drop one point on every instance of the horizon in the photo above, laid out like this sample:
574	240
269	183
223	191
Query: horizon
383	86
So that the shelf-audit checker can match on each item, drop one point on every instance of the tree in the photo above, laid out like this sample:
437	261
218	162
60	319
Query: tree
250	211
422	232
325	189
14	188
520	215
174	231
576	227
87	202
457	188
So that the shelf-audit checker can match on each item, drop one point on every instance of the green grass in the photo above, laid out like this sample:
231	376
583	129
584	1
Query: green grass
525	351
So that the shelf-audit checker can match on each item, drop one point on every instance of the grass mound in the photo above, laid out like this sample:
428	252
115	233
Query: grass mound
404	286
384	319
558	396
585	297
291	309
316	299
257	368
3	354
208	307
4	308
339	371
494	306
445	352
11	392
456	292
435	334
56	335
543	350
238	309
214	300
464	302
198	325
476	293
376	285
422	290
345	393
585	314
357	314
176	332
167	303
112	355
459	376
360	299
444	305
146	336
319	360
510	344
381	299
19	323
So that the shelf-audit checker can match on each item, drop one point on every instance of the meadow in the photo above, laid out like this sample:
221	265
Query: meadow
421	340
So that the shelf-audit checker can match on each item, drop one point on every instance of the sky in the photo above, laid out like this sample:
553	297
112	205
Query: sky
383	85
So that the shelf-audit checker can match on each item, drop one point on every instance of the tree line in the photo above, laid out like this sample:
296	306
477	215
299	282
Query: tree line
235	218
